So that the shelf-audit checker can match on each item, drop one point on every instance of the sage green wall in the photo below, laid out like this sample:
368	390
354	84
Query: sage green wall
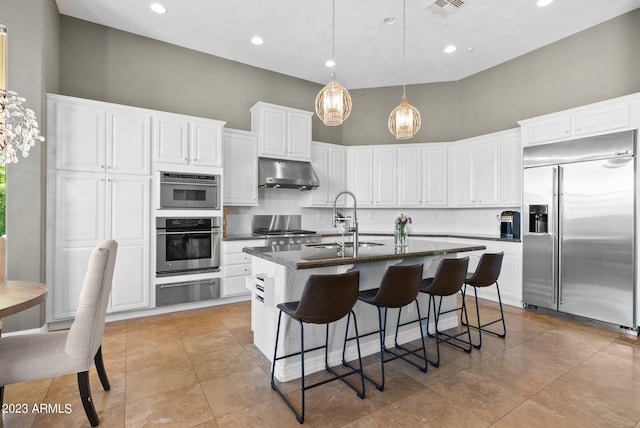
110	65
437	103
105	64
32	45
597	64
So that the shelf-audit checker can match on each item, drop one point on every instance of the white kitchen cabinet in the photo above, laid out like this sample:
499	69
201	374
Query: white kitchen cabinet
511	171
89	208
329	161
434	175
98	137
240	165
384	176
236	266
410	171
580	122
205	138
510	279
360	175
283	132
487	170
462	174
186	140
371	175
422	175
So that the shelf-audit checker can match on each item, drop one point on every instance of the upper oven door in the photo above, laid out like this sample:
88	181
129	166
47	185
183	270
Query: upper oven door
189	195
187	251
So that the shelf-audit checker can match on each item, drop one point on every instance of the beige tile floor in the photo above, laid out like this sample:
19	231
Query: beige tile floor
199	369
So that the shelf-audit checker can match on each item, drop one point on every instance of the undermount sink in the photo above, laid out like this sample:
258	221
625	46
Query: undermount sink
346	245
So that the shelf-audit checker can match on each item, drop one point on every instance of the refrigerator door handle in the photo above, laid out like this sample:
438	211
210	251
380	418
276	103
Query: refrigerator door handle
557	245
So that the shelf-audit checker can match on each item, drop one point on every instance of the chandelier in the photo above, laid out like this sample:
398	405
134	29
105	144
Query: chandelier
404	120
18	127
333	102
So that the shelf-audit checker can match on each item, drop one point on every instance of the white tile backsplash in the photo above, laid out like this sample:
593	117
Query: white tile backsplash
472	221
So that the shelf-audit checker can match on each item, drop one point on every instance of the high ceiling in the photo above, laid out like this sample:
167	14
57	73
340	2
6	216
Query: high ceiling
368	53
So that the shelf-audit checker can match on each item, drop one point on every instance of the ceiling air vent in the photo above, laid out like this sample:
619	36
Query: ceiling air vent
445	8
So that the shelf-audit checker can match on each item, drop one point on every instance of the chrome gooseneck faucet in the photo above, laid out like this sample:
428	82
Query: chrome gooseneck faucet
354	221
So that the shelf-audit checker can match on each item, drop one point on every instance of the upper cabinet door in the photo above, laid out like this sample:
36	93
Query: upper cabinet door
488	171
299	135
602	118
171	137
338	174
80	136
206	143
434	175
128	142
410	176
462	174
360	175
511	171
283	132
384	176
320	163
273	138
240	164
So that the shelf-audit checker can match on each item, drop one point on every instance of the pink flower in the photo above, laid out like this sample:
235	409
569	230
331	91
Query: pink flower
402	219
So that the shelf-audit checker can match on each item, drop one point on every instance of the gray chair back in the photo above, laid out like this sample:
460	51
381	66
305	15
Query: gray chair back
85	335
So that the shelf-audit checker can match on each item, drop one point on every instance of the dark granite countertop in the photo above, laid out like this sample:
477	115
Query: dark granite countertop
382	235
309	256
246	237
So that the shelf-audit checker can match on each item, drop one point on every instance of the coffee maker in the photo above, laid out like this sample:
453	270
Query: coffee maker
510	224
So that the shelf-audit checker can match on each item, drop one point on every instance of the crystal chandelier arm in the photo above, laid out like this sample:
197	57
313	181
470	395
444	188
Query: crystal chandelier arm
18	127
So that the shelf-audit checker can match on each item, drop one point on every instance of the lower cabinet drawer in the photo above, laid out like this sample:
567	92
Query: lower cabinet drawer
237	270
187	291
234	286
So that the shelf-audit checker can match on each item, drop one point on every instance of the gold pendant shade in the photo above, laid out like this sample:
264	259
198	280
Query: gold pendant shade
404	120
333	103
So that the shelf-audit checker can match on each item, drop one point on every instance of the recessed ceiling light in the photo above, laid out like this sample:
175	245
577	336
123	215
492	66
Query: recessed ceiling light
389	20
543	3
469	49
330	63
158	8
450	49
257	40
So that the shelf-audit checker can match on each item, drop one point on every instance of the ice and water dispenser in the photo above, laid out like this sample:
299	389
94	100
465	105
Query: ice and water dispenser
510	224
538	218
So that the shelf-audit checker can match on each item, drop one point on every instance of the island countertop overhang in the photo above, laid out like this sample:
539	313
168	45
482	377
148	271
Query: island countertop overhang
309	256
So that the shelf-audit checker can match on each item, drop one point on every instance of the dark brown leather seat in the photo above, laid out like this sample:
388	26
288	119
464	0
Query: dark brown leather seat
399	287
486	274
325	299
448	280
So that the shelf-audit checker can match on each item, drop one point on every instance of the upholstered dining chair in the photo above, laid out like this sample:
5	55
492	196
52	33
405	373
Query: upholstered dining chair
36	356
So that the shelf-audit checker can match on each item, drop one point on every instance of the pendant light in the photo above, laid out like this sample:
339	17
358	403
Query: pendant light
404	120
333	102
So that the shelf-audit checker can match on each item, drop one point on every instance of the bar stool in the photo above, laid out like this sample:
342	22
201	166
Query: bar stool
448	280
399	287
486	274
325	299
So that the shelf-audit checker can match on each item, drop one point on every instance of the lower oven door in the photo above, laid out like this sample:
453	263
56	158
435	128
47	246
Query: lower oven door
187	252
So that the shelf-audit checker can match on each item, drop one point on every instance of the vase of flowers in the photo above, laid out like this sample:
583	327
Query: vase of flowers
400	230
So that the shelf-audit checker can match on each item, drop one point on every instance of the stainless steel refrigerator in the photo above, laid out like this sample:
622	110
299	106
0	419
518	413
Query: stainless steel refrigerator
579	227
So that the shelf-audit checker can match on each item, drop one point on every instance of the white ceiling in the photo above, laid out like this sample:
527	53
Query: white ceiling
297	33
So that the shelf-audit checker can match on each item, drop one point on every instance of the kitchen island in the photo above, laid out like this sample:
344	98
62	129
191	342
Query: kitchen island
280	273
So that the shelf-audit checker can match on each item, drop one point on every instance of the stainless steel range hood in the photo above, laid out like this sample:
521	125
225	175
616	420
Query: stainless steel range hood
286	174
